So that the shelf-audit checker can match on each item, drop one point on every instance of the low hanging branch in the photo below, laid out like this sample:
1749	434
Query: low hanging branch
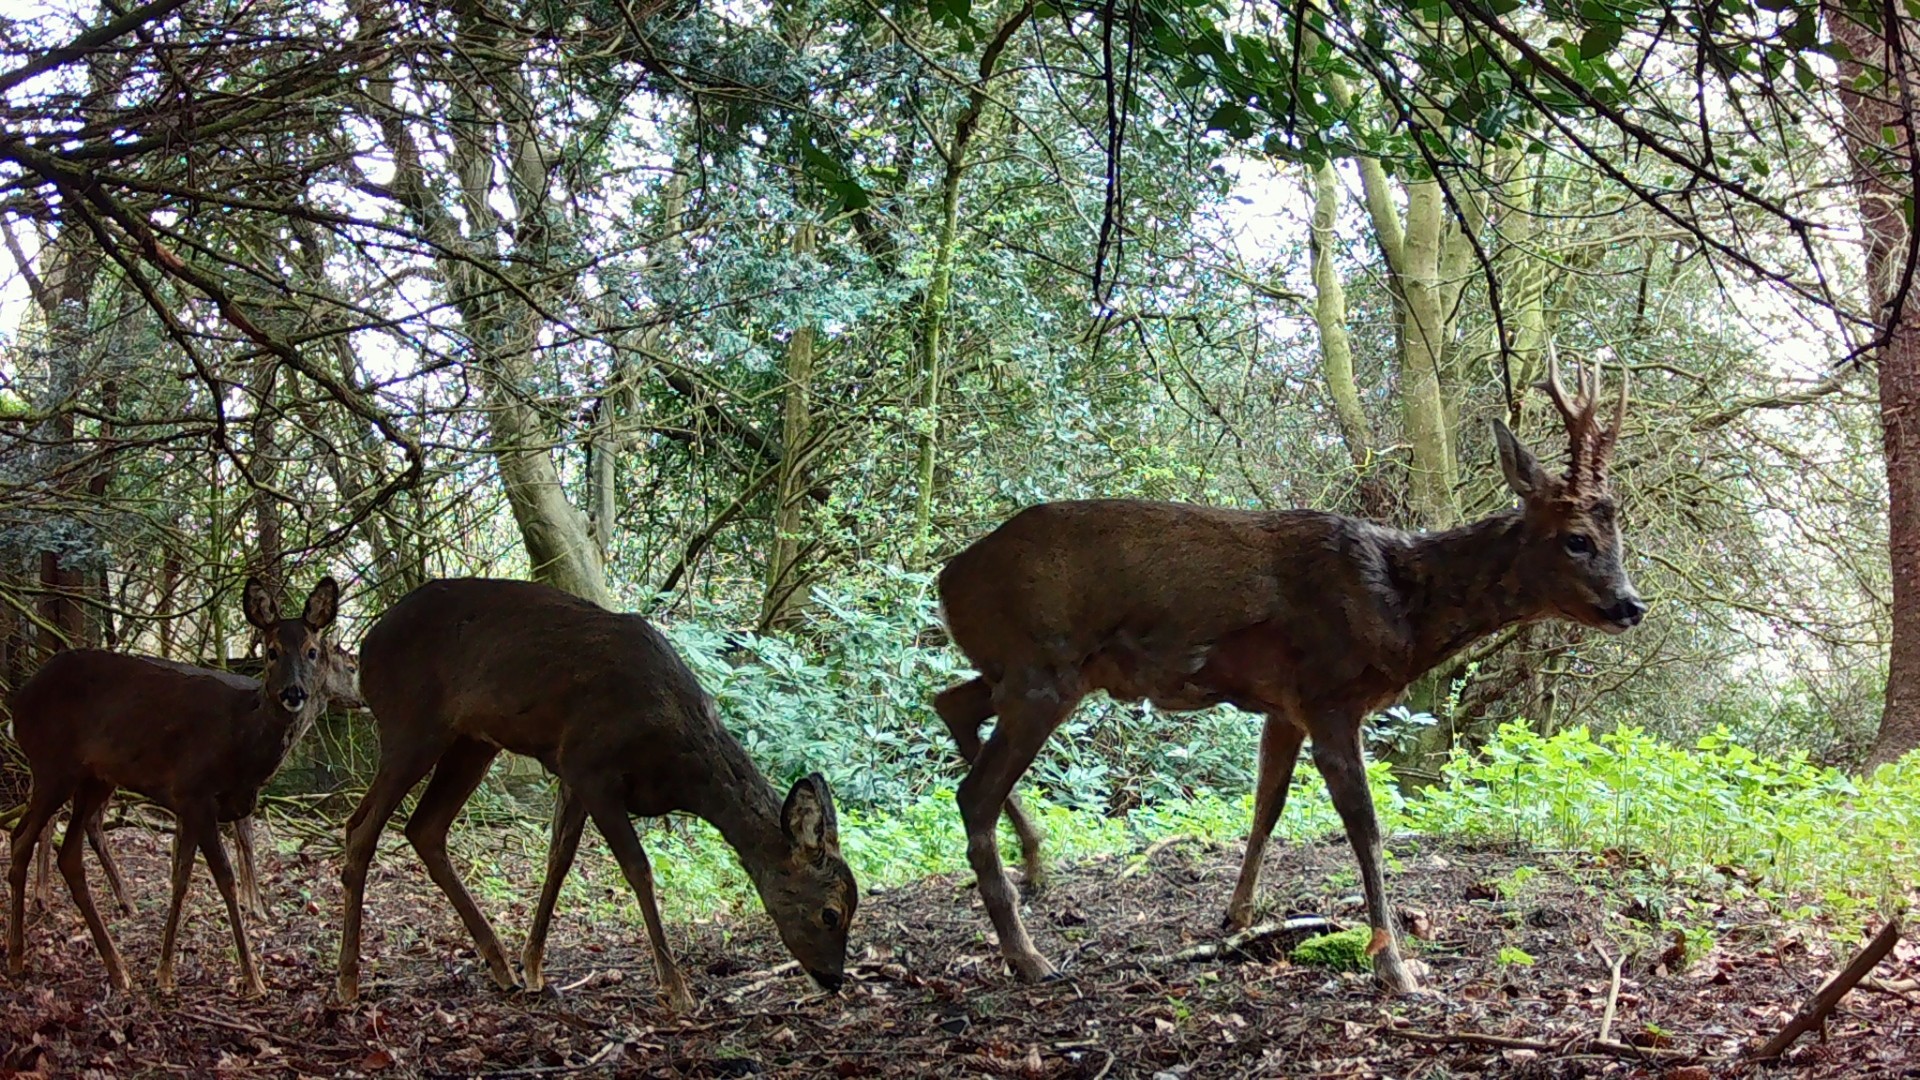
82	190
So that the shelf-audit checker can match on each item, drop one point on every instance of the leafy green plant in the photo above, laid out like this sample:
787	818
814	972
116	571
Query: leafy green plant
1511	956
1797	828
1342	950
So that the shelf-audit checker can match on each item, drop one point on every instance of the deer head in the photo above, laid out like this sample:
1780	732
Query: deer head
297	652
1571	548
342	681
810	891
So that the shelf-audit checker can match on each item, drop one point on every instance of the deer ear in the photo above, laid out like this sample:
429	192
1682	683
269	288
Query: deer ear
1517	464
260	605
808	817
322	604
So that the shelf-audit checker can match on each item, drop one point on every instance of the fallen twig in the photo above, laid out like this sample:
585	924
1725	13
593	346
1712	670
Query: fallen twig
1613	991
593	1062
1234	943
768	977
1815	1011
1140	863
1566	1047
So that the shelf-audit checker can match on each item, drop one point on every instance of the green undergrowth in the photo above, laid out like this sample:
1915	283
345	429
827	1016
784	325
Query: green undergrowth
1810	839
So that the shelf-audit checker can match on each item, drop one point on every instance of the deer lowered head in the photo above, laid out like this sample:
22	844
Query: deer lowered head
807	888
1570	545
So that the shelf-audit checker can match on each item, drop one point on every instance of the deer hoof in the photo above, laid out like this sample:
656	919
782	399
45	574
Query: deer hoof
347	990
1398	977
1032	968
680	1000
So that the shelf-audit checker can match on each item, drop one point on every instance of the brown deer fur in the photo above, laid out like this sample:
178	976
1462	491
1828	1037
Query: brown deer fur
459	670
1314	619
198	742
340	688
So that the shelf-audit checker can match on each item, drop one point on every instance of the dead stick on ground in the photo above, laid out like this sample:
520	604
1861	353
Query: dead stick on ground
1815	1010
1572	1046
1146	856
1613	991
1232	944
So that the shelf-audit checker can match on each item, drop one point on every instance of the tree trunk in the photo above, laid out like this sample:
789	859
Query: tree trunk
940	286
793	540
1879	172
492	103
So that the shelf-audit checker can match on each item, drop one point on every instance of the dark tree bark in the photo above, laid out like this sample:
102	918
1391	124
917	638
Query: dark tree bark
1881	174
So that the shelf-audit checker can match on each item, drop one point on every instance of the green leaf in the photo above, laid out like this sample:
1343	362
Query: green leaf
1802	32
953	13
1232	118
1599	40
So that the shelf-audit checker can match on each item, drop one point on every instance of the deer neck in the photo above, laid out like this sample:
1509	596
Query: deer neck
739	802
1461	585
269	732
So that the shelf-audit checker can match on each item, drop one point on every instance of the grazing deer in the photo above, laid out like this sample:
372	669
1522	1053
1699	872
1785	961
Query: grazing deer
459	670
340	688
197	741
1316	620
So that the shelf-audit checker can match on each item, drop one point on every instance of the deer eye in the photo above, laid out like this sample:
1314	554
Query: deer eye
313	654
1579	544
830	918
273	653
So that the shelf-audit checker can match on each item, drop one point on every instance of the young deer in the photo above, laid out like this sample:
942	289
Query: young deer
198	742
459	670
1316	620
340	688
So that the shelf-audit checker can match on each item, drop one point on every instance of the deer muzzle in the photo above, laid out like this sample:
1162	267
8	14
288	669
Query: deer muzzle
293	697
1625	614
829	981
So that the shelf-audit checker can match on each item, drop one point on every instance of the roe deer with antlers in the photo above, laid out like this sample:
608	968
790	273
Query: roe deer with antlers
196	741
459	670
340	688
1314	619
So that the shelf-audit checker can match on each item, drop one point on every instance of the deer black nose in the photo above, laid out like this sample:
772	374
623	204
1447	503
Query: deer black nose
1627	612
293	697
830	982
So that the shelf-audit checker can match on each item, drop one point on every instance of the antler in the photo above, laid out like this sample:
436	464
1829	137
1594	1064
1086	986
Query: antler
1588	444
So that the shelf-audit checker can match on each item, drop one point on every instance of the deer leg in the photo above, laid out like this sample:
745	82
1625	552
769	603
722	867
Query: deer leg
610	816
1337	753
395	778
43	867
243	869
1279	749
569	817
86	803
186	840
97	840
964	708
459	772
223	877
1029	711
29	833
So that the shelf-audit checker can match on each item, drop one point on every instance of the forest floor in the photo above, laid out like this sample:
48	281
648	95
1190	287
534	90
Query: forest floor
927	997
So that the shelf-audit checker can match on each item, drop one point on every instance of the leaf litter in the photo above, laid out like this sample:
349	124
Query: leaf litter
1516	959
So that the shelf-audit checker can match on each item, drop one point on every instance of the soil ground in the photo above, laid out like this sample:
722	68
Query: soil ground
927	997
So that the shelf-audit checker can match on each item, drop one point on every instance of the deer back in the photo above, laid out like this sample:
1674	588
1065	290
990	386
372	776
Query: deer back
1140	596
539	672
